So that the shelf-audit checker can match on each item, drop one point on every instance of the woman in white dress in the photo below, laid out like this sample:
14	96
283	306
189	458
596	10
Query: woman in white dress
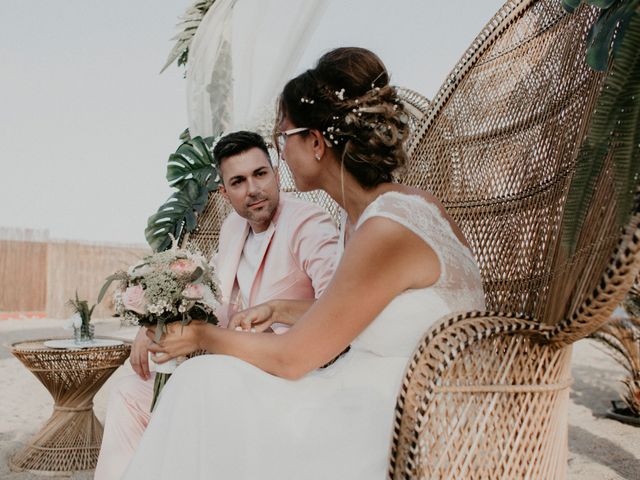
260	407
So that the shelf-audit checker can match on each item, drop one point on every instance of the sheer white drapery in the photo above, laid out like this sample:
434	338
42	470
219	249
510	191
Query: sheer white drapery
245	50
240	57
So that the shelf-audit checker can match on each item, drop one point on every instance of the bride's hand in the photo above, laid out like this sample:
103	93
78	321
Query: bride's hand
254	319
178	340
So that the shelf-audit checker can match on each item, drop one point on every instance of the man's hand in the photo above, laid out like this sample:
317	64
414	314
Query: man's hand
254	319
139	357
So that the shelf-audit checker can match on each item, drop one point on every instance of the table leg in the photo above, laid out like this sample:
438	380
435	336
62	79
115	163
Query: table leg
69	441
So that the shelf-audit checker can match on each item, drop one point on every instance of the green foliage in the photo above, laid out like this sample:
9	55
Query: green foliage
176	214
192	171
81	307
108	281
622	337
615	131
570	5
185	135
189	23
608	30
192	160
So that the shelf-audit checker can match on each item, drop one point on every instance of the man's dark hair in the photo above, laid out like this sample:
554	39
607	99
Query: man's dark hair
238	142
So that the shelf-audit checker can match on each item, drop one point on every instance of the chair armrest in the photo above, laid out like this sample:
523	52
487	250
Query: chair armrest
460	359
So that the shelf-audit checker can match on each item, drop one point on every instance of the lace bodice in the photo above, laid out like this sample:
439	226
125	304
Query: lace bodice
459	288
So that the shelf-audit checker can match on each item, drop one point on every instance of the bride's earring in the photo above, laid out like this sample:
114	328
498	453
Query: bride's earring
317	157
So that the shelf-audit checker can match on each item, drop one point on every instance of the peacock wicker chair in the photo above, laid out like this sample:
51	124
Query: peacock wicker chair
486	393
205	235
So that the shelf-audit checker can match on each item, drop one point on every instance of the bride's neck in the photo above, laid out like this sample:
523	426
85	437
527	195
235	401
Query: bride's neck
350	195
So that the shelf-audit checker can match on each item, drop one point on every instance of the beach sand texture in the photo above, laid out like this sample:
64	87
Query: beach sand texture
600	449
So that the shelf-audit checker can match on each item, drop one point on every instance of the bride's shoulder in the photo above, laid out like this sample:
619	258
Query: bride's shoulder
404	201
416	209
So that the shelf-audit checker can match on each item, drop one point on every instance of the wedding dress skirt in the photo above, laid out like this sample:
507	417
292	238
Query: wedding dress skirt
222	418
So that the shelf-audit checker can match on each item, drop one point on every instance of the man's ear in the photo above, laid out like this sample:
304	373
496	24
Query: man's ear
223	191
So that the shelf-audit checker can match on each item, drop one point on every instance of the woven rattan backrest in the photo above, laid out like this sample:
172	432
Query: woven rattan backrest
482	397
205	236
499	148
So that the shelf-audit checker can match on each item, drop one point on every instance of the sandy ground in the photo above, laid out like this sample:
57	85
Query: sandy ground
600	449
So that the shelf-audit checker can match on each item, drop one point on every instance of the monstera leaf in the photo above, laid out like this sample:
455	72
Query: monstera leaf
192	160
191	170
178	212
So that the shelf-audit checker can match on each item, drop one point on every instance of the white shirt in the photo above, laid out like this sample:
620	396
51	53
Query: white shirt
249	263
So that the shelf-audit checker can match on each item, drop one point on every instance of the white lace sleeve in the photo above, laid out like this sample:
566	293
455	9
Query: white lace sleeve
459	272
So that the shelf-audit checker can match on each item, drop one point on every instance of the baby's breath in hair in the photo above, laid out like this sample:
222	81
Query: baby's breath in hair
356	110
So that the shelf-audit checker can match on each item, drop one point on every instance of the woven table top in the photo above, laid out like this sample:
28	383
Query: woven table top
36	356
38	345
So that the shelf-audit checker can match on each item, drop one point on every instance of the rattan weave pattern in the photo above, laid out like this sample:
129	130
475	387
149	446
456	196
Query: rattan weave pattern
486	394
499	152
474	415
70	439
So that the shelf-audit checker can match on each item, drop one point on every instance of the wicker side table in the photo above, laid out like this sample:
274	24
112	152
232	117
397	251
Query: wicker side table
70	439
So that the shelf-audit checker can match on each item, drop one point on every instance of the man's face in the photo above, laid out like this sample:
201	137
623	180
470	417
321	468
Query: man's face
251	186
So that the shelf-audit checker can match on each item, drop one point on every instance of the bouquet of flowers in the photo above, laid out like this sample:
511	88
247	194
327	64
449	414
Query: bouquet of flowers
177	285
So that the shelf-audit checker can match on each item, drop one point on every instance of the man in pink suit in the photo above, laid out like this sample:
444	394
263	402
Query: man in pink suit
273	246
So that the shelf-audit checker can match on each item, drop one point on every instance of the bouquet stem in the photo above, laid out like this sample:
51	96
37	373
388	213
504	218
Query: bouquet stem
159	383
163	373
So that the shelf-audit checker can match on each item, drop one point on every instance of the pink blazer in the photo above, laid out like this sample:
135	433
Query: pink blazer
297	258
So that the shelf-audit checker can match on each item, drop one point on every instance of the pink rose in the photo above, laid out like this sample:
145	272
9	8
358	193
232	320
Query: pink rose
193	291
133	299
182	265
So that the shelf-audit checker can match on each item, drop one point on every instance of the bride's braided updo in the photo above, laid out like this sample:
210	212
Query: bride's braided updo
348	98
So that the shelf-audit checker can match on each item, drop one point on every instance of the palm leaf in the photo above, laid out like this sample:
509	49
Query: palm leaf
601	37
626	154
603	4
614	130
570	5
622	337
607	31
189	24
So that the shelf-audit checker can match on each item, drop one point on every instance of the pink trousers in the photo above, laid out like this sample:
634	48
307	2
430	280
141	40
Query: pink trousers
126	420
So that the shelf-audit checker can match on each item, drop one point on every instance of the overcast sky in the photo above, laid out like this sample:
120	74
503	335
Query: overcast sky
87	122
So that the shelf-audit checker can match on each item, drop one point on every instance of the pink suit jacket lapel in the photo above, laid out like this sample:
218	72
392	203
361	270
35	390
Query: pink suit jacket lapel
228	274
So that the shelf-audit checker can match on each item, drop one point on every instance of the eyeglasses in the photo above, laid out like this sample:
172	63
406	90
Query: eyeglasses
281	137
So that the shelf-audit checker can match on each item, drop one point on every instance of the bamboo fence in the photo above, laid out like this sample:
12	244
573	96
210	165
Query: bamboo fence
39	275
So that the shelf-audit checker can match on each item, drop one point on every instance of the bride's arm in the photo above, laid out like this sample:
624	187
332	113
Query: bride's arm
382	260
